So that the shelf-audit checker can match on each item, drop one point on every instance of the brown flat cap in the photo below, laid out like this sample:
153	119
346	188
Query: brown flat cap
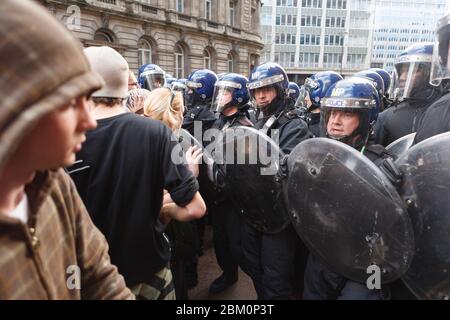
42	68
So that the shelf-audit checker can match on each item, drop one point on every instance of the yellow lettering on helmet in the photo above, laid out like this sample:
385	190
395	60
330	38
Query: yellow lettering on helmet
337	92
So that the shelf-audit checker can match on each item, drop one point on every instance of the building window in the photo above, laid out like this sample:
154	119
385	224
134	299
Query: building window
208	9
232	13
179	62
312	3
145	52
230	63
286	20
206	59
180	6
103	36
287	3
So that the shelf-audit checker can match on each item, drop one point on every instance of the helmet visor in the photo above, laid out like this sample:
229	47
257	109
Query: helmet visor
153	80
223	95
178	86
348	125
304	100
439	64
410	78
265	82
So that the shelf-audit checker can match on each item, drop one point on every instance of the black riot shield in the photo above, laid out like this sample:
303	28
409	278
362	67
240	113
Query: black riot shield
251	161
205	177
401	145
426	191
347	212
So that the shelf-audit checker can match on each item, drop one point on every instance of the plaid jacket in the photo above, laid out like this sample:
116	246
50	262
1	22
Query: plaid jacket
42	260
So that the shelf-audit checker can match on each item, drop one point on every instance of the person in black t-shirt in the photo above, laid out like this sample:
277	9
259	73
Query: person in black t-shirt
125	165
167	106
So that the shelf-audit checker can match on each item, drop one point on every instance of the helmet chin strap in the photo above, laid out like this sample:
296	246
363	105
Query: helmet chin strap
353	140
272	107
226	106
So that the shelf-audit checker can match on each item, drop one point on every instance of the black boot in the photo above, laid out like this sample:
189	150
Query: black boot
223	282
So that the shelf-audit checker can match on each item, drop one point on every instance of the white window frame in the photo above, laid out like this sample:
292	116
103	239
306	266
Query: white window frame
180	6
208	9
232	12
230	63
206	60
179	59
145	54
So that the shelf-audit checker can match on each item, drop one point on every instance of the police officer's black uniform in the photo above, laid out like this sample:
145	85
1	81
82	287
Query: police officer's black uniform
226	220
401	120
274	252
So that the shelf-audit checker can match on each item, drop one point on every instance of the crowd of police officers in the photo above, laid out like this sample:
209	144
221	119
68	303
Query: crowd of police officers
337	189
379	116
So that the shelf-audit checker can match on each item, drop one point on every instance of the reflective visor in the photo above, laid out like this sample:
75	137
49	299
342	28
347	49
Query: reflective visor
303	100
153	80
439	65
410	77
223	95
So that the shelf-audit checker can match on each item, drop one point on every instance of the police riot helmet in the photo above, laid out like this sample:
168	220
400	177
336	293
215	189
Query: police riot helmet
411	75
315	88
200	87
152	77
269	74
344	99
230	91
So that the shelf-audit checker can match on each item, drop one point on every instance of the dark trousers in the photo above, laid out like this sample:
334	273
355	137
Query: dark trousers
227	230
179	281
300	260
323	284
268	260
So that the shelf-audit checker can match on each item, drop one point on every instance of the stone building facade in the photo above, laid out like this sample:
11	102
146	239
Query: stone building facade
179	35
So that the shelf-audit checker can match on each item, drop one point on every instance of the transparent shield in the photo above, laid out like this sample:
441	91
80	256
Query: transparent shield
251	160
206	168
401	145
426	190
347	212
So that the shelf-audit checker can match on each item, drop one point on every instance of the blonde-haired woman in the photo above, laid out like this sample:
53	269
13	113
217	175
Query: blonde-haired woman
167	106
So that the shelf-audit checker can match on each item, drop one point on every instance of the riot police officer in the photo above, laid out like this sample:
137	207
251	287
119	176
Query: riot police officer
293	93
230	102
268	257
377	81
313	90
411	93
437	117
349	109
169	80
151	77
198	95
387	84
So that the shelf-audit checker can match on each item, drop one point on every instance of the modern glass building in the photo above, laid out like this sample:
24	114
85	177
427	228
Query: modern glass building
306	36
401	23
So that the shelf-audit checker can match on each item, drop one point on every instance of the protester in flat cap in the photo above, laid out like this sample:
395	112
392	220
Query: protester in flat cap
49	247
